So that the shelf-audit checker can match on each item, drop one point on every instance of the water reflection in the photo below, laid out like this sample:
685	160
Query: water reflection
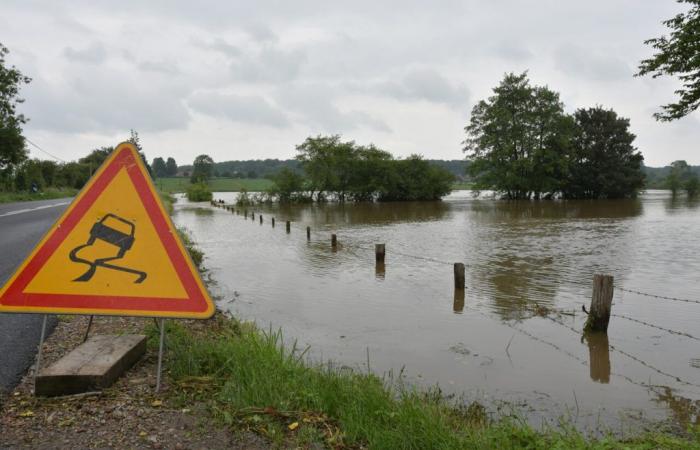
599	356
380	270
458	303
685	411
558	209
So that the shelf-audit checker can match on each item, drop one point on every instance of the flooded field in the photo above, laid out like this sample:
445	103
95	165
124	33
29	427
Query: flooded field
515	335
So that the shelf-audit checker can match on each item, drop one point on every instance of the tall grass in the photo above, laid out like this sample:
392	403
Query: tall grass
252	377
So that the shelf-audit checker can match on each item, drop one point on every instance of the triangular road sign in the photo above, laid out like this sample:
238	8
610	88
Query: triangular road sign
114	251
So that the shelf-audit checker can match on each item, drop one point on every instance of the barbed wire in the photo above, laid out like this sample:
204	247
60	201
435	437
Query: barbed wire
679	333
572	282
645	294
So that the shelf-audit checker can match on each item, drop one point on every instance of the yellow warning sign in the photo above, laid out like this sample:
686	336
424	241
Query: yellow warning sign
114	251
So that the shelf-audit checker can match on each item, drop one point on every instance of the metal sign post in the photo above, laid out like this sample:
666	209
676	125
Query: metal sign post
41	346
160	353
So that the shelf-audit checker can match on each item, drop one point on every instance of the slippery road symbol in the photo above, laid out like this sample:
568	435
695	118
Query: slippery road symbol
123	241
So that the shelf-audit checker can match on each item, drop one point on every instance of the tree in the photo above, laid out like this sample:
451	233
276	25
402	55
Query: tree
95	158
517	139
171	167
287	184
677	176
603	163
202	168
134	139
12	149
678	55
159	168
692	185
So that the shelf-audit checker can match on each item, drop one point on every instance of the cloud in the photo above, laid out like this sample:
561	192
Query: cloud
163	67
252	109
580	62
269	65
93	54
314	105
423	85
512	51
104	102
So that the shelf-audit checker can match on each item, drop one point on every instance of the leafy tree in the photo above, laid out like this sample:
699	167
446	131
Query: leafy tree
604	163
12	150
516	139
202	168
287	184
171	167
678	55
29	174
96	157
159	168
134	139
73	175
677	176
692	185
199	192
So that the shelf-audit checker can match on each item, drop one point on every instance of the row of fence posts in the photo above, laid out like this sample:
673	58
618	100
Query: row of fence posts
595	329
601	299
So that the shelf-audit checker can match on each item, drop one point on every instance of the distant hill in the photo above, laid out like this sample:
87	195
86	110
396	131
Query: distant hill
655	176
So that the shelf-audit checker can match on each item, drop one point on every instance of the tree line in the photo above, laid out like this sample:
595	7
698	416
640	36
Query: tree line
339	170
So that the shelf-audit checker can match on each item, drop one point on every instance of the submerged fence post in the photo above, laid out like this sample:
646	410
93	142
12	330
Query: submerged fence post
308	233
334	241
289	226
260	216
601	303
273	222
245	213
379	252
459	275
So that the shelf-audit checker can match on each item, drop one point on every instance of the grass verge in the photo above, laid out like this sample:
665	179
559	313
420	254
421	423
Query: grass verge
252	381
48	194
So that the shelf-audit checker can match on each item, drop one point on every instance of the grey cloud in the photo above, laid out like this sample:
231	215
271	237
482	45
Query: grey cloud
163	67
93	54
577	61
313	104
222	46
269	65
512	51
424	84
104	102
239	108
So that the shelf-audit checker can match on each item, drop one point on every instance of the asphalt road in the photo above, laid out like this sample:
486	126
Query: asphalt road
22	225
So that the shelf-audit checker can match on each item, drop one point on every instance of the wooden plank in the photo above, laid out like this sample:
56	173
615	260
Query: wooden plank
91	366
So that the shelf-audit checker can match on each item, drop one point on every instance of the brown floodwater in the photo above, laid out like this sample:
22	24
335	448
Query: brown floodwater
512	338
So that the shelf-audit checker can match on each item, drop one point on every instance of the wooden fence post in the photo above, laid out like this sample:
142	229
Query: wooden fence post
308	233
459	276
245	213
273	222
379	252
289	226
599	357
601	304
260	216
334	241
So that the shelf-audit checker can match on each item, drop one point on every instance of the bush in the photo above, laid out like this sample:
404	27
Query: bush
199	192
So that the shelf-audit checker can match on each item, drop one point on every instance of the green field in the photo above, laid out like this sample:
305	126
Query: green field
180	184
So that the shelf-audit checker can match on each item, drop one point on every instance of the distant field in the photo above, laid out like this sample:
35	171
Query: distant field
179	184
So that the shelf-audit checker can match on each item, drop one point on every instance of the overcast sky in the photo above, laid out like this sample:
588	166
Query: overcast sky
250	80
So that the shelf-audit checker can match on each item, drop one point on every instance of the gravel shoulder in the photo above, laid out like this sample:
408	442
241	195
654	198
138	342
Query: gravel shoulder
128	415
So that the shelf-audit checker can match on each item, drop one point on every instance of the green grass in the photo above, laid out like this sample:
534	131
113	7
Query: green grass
180	184
47	194
252	381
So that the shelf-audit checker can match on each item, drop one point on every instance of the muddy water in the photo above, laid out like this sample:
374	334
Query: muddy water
513	337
